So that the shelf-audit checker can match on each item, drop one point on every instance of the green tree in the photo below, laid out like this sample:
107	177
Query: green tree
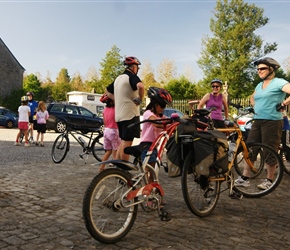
32	84
181	88
229	54
111	66
62	86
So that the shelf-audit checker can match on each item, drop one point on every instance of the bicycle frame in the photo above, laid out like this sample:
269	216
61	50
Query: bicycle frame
239	142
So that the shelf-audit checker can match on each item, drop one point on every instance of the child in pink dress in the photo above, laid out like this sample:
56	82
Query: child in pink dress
111	132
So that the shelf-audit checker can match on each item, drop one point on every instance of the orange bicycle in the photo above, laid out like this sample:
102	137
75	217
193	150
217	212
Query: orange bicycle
201	193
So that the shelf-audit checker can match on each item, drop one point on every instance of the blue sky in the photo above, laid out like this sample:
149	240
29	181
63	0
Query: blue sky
46	36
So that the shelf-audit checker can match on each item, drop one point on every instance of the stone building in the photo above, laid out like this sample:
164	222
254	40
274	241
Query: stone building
11	71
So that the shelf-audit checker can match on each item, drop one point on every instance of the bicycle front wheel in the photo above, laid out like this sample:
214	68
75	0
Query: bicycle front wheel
266	163
200	195
107	214
60	148
98	148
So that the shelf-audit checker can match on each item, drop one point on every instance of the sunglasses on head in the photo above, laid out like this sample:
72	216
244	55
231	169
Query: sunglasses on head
215	86
262	68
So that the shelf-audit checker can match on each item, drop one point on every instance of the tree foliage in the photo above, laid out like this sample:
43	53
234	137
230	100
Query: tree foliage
147	76
62	86
111	66
181	88
234	46
166	71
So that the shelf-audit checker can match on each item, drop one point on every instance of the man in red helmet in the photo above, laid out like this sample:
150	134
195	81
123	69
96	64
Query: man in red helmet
127	91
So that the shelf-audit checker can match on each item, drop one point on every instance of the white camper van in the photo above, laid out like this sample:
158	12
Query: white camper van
91	101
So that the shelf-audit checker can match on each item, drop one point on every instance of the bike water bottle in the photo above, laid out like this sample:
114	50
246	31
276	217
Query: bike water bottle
84	144
232	149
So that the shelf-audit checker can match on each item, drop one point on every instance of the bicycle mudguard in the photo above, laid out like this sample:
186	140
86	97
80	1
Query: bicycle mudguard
146	190
125	165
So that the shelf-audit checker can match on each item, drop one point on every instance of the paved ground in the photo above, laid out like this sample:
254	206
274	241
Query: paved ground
41	208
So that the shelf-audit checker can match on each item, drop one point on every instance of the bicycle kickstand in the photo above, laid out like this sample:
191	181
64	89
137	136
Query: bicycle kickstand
233	194
86	156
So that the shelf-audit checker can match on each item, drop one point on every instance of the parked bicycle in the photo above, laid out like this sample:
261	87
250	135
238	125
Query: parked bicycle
94	145
111	200
201	193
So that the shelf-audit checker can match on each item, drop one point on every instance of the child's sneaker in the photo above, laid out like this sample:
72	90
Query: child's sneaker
41	144
36	143
26	144
16	143
240	182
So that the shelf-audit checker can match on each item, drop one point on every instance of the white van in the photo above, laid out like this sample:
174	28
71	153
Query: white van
91	101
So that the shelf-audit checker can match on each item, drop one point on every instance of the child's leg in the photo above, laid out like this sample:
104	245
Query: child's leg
25	131
18	135
105	157
41	137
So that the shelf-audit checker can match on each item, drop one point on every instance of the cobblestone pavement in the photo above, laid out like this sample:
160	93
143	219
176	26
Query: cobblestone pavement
41	208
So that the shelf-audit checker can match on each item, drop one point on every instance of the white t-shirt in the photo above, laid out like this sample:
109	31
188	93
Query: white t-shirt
23	112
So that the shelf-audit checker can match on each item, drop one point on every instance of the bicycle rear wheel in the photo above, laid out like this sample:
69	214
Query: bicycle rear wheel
283	157
262	156
60	148
108	216
98	148
199	195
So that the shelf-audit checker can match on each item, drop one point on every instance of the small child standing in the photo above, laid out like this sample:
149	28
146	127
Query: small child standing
111	132
23	121
41	117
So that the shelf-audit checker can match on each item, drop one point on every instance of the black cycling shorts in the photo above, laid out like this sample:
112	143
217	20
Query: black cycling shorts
128	134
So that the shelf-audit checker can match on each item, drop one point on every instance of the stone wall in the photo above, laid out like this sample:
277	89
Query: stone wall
11	72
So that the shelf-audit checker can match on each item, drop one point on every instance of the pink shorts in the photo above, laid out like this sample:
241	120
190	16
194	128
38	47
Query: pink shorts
23	125
111	139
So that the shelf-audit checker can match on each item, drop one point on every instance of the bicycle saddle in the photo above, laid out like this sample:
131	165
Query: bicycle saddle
202	112
134	150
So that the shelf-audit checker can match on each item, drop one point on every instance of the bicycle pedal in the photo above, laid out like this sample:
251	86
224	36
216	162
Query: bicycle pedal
164	216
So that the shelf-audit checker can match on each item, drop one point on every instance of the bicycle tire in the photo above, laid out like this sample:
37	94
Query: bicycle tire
60	148
98	148
105	218
283	157
201	201
269	155
239	166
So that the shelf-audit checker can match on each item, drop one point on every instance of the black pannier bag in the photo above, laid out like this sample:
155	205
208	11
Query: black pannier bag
176	153
210	152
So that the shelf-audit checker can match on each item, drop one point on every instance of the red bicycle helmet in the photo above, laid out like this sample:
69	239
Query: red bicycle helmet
160	95
104	98
268	61
129	60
